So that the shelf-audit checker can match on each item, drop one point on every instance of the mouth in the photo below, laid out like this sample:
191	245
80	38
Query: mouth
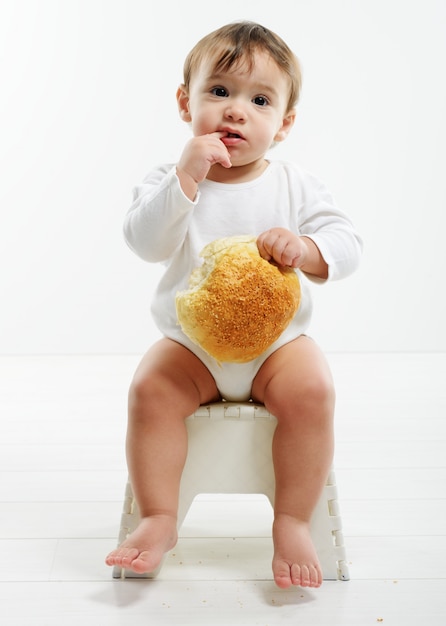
231	138
231	134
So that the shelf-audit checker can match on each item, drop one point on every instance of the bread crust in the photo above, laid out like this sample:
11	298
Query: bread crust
237	303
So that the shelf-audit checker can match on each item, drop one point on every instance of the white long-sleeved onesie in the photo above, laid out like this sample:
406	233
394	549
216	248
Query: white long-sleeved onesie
164	226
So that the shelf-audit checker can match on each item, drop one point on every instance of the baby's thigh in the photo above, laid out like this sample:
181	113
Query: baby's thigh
170	369
295	371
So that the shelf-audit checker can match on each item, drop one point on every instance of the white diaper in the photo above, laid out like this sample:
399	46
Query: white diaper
234	380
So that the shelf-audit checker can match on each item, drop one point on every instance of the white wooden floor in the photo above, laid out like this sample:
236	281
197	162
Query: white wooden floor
62	476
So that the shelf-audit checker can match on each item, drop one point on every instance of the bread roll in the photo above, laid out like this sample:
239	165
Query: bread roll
237	303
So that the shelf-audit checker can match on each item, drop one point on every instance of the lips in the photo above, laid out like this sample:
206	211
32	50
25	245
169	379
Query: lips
231	133
232	138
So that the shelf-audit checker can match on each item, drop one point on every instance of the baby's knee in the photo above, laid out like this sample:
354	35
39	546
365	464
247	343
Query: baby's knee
145	389
319	388
139	392
310	396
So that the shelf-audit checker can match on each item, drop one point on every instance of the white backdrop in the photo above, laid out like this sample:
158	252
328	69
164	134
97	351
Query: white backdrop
88	106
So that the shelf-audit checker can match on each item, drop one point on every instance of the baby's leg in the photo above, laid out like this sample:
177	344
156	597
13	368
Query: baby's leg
296	386
169	385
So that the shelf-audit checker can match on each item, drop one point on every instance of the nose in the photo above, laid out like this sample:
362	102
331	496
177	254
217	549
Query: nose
235	111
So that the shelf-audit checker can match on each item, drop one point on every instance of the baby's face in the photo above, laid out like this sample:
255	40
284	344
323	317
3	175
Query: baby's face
248	104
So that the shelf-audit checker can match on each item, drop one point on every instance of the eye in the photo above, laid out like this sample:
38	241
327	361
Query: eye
220	92
261	101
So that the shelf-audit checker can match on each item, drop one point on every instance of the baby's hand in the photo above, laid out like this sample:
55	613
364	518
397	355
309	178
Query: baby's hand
283	247
200	154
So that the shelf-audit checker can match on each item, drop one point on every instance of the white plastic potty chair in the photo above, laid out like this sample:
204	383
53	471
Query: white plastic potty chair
230	452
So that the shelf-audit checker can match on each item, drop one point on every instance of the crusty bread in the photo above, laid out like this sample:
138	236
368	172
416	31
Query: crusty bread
237	303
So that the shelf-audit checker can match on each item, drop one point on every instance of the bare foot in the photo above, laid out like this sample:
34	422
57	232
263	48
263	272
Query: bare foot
295	561
144	549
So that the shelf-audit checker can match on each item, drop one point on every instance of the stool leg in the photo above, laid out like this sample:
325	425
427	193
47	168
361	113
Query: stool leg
128	523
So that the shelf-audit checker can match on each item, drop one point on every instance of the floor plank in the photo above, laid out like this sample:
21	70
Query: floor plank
224	603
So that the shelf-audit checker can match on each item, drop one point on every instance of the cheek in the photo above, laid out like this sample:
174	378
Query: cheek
268	130
203	120
199	126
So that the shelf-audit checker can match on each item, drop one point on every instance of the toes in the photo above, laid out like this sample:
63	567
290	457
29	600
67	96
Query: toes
306	575
316	577
283	582
297	574
131	558
144	563
116	557
113	558
122	557
282	575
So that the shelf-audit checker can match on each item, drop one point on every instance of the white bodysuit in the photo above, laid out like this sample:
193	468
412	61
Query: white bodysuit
164	226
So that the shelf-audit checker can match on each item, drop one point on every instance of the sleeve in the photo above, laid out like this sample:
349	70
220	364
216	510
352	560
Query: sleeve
330	229
157	221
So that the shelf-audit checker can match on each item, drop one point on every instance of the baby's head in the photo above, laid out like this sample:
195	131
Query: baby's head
236	44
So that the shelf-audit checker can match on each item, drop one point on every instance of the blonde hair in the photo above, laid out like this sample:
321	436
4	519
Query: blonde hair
236	43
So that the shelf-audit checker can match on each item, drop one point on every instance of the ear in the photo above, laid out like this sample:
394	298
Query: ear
183	103
287	125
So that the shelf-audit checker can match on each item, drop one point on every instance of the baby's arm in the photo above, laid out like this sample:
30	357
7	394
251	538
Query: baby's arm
288	249
199	155
157	221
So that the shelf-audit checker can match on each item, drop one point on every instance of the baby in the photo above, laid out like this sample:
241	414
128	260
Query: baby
241	85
